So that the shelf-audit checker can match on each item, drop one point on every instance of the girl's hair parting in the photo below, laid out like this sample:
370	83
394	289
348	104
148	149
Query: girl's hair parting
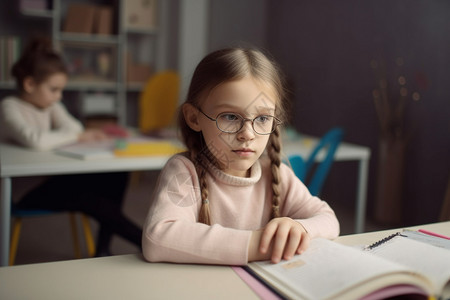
38	61
222	66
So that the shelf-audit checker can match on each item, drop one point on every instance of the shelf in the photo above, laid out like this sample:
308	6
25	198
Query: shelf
88	38
91	85
101	62
37	13
7	85
149	31
135	86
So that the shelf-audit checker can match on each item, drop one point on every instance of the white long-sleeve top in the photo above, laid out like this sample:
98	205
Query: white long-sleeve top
238	206
35	128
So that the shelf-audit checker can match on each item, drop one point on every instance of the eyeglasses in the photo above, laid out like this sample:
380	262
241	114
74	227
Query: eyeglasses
233	122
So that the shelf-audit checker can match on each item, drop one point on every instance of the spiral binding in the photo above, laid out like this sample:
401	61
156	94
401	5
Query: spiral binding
382	241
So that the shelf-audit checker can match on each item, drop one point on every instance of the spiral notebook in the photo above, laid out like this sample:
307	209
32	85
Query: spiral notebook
393	266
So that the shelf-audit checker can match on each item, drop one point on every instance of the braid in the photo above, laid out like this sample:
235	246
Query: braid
198	157
204	214
274	151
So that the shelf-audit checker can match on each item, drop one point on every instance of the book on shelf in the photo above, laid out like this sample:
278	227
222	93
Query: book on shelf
36	5
395	266
10	50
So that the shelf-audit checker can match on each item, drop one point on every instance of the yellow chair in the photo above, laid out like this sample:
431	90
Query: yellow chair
158	101
19	214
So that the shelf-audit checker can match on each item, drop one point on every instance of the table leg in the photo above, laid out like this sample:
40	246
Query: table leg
5	222
361	196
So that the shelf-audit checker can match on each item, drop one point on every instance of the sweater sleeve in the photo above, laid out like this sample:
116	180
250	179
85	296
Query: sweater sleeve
65	128
315	215
171	231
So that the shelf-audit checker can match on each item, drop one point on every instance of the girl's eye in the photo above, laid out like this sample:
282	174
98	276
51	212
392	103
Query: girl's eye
262	119
229	117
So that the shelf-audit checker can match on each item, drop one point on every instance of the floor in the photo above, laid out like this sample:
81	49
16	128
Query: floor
45	239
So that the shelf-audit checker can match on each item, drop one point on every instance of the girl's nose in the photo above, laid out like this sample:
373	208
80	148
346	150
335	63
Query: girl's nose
246	132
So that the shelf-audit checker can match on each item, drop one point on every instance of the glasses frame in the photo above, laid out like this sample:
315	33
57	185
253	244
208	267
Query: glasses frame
277	122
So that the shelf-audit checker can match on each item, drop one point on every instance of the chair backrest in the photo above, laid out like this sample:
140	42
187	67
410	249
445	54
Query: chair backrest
158	101
314	178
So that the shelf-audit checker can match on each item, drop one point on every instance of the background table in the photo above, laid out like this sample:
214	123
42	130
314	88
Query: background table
303	145
17	161
130	277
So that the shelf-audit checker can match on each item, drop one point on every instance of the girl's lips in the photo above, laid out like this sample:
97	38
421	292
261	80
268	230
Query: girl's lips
244	152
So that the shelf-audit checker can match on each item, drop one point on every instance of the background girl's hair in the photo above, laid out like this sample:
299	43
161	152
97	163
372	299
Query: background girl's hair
38	61
222	66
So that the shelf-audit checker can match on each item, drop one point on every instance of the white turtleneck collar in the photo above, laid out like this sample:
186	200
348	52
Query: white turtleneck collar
255	175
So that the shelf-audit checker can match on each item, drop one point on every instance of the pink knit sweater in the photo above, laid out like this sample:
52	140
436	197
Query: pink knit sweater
238	206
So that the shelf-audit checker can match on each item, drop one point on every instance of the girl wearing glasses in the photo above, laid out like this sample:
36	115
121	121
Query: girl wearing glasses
229	199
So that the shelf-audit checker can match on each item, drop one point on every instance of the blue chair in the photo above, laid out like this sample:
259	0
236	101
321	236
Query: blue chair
314	178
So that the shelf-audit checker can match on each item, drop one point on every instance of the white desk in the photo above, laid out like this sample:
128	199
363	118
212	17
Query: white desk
16	161
130	277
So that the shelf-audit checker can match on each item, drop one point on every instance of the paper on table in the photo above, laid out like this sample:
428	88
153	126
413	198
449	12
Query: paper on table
427	238
91	150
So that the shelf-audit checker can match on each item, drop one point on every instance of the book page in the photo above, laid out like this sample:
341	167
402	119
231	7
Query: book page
433	262
426	238
88	150
325	269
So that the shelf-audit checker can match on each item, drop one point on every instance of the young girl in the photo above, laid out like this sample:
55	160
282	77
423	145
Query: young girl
229	199
35	118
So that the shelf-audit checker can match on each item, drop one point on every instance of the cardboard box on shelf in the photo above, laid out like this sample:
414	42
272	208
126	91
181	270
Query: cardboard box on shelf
140	14
80	18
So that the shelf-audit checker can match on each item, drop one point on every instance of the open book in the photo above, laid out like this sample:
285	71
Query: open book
328	270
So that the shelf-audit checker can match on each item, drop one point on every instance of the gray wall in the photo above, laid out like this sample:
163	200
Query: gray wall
325	49
238	23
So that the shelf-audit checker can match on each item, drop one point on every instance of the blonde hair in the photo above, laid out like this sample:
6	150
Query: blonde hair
222	66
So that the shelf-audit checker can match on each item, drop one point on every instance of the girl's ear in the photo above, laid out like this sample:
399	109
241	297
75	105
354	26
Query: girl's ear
29	84
191	116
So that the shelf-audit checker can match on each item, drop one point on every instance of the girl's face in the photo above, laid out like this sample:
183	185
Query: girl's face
249	98
45	93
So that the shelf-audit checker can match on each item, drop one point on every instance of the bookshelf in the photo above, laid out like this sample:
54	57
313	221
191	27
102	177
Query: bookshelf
111	48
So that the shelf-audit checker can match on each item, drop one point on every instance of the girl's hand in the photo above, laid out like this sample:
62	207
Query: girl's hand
281	238
90	135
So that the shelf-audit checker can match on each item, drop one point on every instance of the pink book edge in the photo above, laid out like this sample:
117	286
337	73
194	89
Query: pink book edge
259	288
434	234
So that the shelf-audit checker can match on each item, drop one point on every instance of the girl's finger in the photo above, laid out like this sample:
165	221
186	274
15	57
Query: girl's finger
280	241
292	244
304	243
267	236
